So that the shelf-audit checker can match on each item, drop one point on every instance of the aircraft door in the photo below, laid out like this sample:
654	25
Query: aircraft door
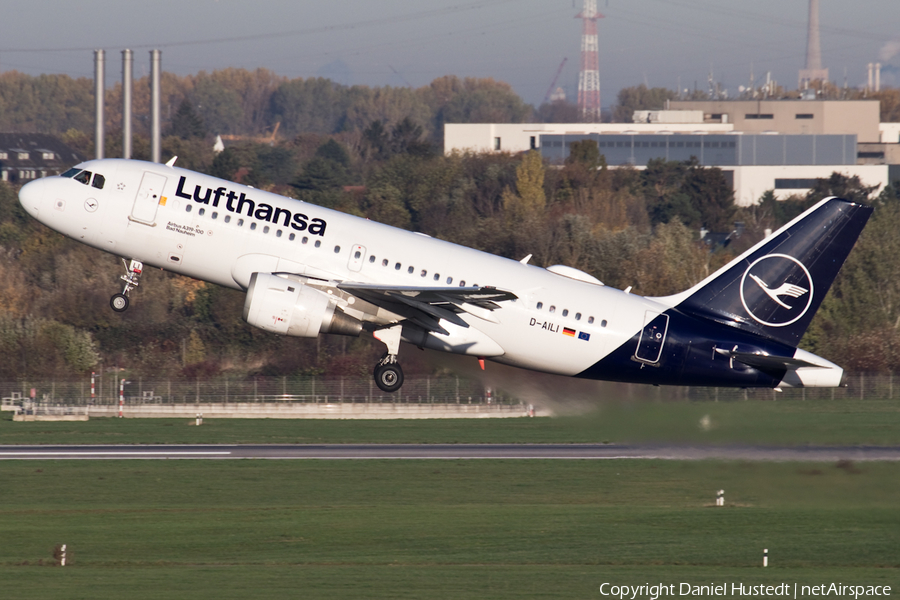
148	198
357	255
653	336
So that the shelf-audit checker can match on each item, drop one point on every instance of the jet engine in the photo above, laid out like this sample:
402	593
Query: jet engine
288	307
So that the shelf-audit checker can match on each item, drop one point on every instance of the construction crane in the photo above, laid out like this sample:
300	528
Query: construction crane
555	79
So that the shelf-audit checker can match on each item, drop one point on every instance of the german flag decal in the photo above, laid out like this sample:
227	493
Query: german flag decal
568	332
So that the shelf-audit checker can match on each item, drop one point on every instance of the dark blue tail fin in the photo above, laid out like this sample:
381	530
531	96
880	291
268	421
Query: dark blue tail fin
775	288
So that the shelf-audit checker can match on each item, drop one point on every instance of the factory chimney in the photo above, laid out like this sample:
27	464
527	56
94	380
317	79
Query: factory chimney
127	79
813	70
155	134
99	97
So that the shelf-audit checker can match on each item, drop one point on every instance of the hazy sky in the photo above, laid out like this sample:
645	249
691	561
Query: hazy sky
408	42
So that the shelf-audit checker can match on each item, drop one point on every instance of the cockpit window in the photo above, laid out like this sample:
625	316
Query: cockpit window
83	177
71	172
99	180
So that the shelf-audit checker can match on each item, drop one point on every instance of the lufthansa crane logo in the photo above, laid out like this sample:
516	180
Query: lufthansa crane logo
776	290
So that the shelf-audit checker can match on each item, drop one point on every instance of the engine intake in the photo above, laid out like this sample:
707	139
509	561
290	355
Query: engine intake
288	307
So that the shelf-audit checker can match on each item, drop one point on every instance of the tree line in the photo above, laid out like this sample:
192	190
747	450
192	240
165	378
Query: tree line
627	227
375	153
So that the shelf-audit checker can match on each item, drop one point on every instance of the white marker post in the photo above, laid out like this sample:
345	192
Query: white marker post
92	388
62	558
121	397
720	498
766	557
199	419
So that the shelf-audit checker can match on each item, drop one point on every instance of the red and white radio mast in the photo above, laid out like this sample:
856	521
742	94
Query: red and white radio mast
589	77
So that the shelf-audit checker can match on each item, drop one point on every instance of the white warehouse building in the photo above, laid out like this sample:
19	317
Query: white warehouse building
753	163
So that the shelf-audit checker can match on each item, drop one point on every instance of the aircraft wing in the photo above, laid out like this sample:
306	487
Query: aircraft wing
426	306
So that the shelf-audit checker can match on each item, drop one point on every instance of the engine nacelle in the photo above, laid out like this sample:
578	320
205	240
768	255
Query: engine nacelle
288	307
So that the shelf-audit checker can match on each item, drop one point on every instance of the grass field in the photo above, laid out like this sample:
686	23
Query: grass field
437	529
452	529
820	422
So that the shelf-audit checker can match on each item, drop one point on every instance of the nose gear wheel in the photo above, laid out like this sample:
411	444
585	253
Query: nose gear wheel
119	302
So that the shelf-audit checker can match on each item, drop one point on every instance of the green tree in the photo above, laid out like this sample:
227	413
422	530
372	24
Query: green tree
186	123
218	107
639	97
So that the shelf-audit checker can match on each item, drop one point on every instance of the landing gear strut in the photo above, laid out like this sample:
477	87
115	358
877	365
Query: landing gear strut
388	374
132	276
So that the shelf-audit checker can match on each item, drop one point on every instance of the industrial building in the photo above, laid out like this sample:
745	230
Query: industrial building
779	145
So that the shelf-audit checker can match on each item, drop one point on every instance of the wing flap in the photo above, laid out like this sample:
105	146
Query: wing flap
427	306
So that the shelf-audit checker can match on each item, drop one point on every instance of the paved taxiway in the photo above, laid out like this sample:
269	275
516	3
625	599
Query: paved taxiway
454	452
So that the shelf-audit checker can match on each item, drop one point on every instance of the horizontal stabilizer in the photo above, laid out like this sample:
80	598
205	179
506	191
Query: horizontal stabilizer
767	361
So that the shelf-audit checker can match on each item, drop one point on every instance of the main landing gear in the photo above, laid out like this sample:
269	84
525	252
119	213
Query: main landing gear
388	374
132	276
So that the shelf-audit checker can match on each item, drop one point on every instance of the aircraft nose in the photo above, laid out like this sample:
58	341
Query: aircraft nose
31	196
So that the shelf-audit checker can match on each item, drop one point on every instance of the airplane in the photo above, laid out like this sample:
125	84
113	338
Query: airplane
307	270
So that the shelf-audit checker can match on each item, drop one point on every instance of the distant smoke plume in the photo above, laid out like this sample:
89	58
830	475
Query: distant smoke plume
889	50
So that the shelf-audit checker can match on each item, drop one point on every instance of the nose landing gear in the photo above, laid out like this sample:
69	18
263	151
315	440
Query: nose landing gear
133	270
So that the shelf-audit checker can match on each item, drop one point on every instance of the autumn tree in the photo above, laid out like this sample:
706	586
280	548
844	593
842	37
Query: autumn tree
639	97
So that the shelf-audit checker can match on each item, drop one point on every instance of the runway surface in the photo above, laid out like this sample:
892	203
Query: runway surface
453	452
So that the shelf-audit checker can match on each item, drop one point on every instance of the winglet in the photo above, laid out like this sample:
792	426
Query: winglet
525	260
171	161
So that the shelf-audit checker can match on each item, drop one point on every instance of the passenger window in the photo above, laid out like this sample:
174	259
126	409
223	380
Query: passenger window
449	280
437	276
577	316
462	283
372	258
265	229
540	305
228	218
565	312
318	243
337	249
357	254
384	263
201	212
424	273
410	270
292	237
397	267
603	323
304	240
215	215
278	233
83	177
188	208
99	180
590	319
252	225
240	222
552	308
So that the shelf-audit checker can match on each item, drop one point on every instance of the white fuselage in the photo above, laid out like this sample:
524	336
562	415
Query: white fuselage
148	212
